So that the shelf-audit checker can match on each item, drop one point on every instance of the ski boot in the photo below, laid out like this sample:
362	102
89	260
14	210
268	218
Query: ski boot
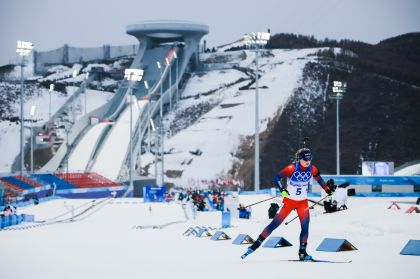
253	247
303	256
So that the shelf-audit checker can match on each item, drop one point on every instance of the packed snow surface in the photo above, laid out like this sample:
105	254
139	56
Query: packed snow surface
104	242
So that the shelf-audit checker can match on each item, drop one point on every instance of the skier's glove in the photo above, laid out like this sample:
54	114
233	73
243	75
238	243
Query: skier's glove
329	194
284	192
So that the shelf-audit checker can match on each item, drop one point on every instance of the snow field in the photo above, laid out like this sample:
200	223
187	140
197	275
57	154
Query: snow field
105	245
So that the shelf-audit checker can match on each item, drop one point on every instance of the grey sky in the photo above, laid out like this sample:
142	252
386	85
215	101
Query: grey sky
50	24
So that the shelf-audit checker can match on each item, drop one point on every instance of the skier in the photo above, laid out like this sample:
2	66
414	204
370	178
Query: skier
294	195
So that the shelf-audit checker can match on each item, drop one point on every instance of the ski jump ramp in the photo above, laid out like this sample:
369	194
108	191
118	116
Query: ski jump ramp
81	154
113	150
103	147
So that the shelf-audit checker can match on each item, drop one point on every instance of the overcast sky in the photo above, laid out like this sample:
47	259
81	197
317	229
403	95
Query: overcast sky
49	24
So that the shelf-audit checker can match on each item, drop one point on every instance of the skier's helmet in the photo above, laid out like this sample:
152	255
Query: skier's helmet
305	154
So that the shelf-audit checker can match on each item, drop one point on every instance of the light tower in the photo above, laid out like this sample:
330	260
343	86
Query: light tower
256	41
49	106
338	89
146	85
32	114
176	77
161	88
85	93
132	76
24	49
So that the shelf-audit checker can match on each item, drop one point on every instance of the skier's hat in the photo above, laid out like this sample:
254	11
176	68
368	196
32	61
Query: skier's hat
305	154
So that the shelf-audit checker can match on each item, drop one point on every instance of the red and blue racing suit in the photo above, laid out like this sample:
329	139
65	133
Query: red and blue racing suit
298	180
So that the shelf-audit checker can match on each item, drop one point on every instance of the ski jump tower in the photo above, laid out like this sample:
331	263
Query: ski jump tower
158	32
158	41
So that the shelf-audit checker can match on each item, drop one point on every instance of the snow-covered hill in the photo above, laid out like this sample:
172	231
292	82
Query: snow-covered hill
214	120
217	117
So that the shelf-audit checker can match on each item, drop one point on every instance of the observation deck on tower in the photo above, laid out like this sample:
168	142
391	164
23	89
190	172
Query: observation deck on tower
164	31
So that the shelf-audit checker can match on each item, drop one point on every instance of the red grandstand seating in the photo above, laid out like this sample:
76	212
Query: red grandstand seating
11	191
28	181
11	186
87	180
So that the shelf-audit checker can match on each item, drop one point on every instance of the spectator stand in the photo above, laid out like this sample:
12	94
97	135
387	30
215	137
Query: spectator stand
20	190
8	193
81	185
54	180
86	180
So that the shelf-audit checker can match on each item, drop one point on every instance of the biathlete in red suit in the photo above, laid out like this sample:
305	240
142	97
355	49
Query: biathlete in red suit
295	196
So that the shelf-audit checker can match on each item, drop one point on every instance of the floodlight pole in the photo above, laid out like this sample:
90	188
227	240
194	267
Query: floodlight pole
176	81
338	135
156	154
73	113
146	84
87	76
24	49
257	128
22	137
338	89
169	64
32	113
161	120
255	40
161	89
170	85
68	147
49	106
132	75
32	145
163	154
131	136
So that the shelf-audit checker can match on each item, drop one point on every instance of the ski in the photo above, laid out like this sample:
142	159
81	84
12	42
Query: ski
249	251
320	261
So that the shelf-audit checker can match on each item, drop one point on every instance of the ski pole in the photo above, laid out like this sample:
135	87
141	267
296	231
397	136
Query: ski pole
259	202
315	202
311	207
